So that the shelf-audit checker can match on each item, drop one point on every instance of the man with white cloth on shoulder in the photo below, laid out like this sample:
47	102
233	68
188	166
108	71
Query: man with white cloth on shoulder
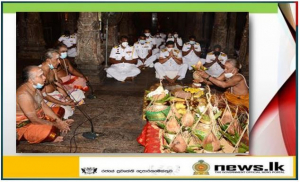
123	59
170	65
144	53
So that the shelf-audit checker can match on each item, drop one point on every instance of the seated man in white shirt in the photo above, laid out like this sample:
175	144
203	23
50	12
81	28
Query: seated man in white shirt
215	62
191	52
152	40
160	41
177	40
70	41
123	59
143	50
170	66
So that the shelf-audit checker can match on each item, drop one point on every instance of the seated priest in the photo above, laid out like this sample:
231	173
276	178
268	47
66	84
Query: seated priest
144	52
35	120
191	52
170	66
215	61
54	93
70	77
238	90
123	59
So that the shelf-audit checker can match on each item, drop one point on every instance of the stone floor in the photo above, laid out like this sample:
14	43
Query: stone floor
117	117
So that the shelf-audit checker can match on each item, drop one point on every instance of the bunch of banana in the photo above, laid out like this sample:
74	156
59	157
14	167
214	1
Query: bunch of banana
181	107
175	99
192	90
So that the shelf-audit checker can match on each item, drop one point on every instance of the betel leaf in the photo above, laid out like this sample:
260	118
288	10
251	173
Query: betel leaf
166	147
218	114
168	140
159	124
205	117
190	150
200	134
208	147
242	150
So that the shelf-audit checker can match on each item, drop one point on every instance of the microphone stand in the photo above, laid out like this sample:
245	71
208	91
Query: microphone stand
89	135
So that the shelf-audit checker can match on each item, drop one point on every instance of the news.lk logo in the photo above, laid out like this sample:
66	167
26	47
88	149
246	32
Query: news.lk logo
273	167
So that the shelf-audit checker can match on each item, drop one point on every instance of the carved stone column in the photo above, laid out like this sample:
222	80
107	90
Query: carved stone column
89	54
198	25
231	34
68	22
32	43
219	34
244	48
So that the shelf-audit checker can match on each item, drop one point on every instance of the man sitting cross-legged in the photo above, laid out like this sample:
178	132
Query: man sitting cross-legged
123	59
170	66
32	111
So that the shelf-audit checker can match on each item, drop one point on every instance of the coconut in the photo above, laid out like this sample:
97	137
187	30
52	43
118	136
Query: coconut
211	143
159	96
179	145
234	128
197	77
227	117
188	119
173	126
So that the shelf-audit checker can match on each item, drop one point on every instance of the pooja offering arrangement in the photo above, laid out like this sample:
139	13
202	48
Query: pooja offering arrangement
185	119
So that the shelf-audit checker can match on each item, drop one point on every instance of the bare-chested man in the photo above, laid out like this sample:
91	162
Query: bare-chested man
69	76
54	95
31	111
238	90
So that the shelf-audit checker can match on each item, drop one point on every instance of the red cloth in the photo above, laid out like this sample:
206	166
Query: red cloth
149	138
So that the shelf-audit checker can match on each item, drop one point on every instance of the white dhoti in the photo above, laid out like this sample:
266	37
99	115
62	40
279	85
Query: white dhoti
148	62
122	70
155	52
165	69
58	96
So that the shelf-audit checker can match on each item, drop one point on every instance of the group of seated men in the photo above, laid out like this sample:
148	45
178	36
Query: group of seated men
48	96
50	92
171	60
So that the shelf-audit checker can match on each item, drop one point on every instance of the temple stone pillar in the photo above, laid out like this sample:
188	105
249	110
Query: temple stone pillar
198	26
244	49
112	35
244	46
231	34
31	43
89	54
219	33
126	26
68	22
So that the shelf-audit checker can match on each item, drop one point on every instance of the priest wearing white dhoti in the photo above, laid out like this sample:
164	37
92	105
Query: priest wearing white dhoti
191	52
123	59
170	65
144	53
